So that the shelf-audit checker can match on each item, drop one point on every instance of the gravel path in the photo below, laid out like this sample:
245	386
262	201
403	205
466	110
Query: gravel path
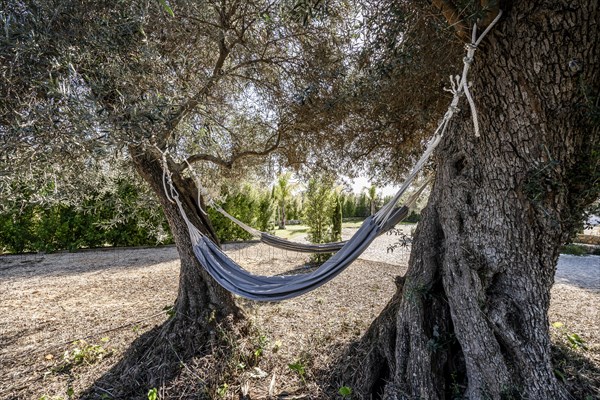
580	271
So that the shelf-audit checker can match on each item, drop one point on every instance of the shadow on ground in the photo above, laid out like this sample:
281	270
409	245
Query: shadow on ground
178	363
63	264
15	266
576	371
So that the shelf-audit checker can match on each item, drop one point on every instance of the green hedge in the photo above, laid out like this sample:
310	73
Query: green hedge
119	218
248	205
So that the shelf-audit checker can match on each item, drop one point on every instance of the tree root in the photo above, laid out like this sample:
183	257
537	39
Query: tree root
158	357
365	365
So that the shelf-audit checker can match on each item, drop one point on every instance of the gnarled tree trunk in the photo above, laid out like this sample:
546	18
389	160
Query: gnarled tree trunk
471	316
155	358
200	298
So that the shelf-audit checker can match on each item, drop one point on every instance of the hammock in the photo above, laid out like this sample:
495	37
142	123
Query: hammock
318	248
273	288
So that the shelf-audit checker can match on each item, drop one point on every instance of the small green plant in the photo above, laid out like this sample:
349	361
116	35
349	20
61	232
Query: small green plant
212	317
153	394
261	344
574	340
299	368
573	249
276	346
455	387
560	375
222	390
85	353
169	310
345	392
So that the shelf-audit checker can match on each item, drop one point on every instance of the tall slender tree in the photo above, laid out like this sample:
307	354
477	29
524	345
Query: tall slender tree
283	192
336	219
372	196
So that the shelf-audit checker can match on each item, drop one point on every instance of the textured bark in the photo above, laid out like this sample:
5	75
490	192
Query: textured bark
200	298
471	317
282	215
202	305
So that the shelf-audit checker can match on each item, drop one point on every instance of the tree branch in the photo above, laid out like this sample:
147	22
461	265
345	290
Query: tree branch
195	100
449	11
216	74
235	157
491	9
225	24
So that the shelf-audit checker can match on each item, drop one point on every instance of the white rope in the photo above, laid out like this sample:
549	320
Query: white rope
459	86
468	60
166	176
202	192
195	234
173	196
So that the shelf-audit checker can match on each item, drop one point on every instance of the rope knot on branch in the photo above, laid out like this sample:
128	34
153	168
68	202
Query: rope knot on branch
471	46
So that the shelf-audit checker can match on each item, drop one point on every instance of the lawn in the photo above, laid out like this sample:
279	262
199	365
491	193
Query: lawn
292	231
299	231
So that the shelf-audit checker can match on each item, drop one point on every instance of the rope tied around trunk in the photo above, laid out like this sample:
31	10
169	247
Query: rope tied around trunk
459	86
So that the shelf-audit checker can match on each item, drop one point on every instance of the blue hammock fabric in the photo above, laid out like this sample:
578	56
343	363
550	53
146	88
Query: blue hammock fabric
274	288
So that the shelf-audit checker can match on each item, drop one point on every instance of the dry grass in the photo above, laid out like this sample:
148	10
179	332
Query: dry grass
47	302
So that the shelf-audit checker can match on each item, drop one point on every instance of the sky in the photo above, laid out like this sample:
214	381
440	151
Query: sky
360	183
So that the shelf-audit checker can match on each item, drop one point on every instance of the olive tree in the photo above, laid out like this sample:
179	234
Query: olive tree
169	86
470	317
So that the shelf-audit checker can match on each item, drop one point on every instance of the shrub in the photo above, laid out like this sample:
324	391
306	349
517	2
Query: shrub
573	249
247	205
122	215
318	210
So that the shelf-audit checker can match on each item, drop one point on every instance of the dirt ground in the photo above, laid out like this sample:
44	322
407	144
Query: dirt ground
109	298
